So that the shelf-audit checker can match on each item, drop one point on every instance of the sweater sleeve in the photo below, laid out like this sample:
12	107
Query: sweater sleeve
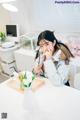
57	76
38	61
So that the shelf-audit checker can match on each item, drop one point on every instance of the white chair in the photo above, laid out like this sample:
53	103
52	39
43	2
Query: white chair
77	81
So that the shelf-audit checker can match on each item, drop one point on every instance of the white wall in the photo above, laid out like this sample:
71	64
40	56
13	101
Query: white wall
4	18
47	15
37	15
22	17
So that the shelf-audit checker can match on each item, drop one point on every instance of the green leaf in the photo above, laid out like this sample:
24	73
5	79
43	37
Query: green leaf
25	86
33	77
2	36
25	77
29	84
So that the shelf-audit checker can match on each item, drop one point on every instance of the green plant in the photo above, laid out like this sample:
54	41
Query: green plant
2	36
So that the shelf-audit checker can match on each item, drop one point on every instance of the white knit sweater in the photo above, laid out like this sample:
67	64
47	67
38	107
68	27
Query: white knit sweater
58	74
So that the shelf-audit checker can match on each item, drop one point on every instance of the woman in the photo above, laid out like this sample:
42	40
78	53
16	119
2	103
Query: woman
52	59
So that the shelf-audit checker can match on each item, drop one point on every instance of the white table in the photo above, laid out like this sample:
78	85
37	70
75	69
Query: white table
55	103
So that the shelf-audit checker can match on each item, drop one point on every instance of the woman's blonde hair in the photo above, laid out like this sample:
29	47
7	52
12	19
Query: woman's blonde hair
64	48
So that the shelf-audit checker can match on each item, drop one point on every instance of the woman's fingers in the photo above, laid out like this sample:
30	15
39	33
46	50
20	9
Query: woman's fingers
48	54
39	72
38	69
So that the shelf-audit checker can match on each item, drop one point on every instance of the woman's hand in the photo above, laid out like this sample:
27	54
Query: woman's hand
48	54
38	70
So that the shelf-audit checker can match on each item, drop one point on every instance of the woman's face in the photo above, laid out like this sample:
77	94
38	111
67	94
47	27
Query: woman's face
46	46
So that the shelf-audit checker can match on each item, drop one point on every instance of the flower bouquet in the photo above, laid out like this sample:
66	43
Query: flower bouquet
26	78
